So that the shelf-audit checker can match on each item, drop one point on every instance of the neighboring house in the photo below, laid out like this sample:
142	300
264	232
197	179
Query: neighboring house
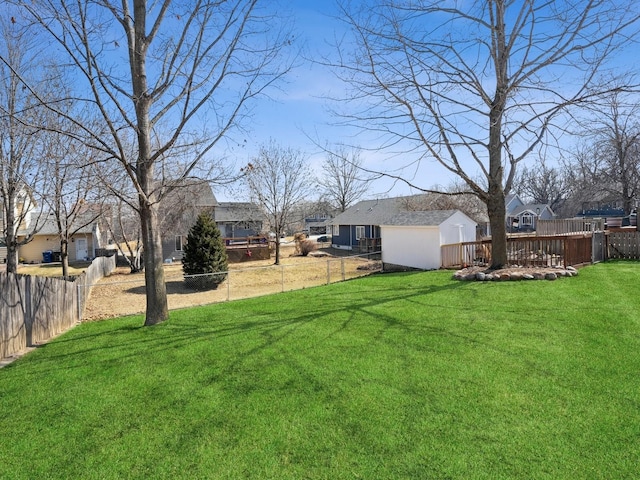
82	244
523	217
238	219
361	222
179	211
413	239
318	224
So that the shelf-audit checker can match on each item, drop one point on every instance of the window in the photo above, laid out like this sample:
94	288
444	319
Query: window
359	232
179	243
336	230
527	219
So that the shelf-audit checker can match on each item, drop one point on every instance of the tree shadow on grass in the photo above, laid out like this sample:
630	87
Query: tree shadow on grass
270	325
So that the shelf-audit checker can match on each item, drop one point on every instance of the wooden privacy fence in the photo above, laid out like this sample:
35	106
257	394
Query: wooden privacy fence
557	250
566	226
625	245
36	309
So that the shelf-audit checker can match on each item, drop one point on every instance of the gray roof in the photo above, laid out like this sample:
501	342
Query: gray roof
391	211
423	219
47	225
533	207
191	191
237	211
371	212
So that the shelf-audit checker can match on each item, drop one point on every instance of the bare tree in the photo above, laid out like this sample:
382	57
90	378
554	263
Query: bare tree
76	199
22	179
476	86
541	183
173	77
344	182
614	135
278	178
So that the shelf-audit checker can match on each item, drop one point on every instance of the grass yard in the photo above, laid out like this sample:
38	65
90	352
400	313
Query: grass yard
391	376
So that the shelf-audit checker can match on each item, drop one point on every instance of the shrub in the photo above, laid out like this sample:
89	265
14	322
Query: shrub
204	254
307	246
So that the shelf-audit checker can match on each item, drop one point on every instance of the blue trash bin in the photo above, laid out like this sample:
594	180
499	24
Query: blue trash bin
47	256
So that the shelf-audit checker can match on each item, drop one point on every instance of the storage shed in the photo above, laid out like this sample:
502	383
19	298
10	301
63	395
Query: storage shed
413	239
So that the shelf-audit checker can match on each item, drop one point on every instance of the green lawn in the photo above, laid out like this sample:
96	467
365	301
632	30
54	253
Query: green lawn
392	376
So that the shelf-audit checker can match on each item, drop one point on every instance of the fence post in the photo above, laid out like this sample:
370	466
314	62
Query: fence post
228	285
282	276
342	268
328	272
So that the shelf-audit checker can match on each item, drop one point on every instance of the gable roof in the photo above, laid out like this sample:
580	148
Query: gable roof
372	212
512	201
430	218
237	211
531	207
393	211
47	225
190	191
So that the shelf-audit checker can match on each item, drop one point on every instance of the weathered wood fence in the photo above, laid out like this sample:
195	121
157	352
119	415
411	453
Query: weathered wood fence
624	245
36	309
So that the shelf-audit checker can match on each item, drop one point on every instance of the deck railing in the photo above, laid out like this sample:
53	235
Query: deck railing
557	250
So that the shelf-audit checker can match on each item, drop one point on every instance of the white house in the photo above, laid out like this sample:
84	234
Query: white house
413	239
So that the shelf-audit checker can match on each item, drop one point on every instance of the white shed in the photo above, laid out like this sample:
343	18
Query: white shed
413	239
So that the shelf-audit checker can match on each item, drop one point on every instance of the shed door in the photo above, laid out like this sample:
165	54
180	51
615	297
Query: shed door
81	248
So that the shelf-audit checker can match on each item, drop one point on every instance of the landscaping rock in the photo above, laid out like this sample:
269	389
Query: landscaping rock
514	273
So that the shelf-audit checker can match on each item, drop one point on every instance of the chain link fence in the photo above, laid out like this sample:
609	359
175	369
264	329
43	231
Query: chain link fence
124	293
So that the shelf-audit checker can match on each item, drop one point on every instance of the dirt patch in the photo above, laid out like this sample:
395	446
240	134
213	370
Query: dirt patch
123	293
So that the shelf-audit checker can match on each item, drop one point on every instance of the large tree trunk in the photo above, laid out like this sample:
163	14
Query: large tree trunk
156	289
277	262
497	221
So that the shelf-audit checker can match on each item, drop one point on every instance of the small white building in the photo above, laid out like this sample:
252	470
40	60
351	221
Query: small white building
413	239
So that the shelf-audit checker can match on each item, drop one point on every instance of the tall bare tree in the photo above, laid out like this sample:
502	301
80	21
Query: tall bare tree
278	178
343	181
614	135
476	86
22	177
75	199
174	77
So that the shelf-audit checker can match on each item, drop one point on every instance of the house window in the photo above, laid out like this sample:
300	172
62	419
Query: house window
180	241
336	230
359	232
527	219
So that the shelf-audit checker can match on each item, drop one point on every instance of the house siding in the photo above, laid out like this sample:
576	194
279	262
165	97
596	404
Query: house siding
32	251
347	239
415	247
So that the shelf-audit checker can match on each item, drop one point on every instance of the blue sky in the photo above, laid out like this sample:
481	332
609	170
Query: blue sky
300	109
